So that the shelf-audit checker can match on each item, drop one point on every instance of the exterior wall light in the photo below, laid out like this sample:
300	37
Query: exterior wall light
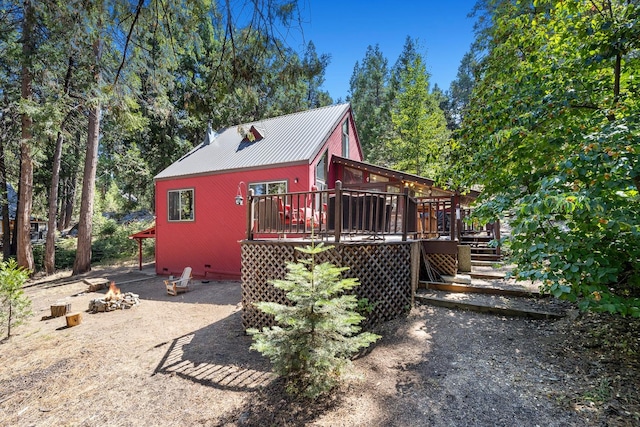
239	198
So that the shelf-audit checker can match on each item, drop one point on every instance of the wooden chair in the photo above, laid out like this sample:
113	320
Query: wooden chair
179	285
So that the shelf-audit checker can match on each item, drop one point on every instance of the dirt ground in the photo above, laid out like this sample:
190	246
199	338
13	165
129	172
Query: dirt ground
183	361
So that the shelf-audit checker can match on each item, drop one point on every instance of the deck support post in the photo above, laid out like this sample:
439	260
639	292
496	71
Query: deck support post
249	218
338	212
415	269
405	214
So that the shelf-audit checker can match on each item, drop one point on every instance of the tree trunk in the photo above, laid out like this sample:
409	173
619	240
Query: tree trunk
62	198
50	247
82	262
68	198
72	185
4	210
25	195
14	233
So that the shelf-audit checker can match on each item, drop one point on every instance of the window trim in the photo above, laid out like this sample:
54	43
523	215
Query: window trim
193	204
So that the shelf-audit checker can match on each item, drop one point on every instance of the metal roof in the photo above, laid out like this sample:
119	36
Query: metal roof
293	138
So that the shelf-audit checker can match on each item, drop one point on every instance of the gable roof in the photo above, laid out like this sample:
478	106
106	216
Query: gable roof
292	138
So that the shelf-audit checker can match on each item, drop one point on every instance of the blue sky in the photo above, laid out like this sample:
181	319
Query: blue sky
344	29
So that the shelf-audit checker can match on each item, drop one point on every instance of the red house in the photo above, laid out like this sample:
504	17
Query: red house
198	222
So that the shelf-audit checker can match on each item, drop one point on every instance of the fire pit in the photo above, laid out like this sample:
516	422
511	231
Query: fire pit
114	300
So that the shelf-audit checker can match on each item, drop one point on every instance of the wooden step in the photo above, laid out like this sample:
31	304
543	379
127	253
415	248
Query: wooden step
476	239
486	276
482	249
485	263
470	288
513	308
464	279
486	257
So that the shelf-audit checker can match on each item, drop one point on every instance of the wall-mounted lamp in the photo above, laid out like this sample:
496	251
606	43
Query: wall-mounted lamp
239	199
295	180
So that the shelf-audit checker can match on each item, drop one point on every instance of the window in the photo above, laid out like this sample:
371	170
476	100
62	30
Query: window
352	176
377	178
273	187
345	139
181	205
321	172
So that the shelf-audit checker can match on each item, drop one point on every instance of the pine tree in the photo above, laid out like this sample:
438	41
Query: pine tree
369	96
312	344
14	305
419	123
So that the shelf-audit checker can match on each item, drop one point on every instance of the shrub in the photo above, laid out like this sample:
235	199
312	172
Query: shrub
312	344
113	242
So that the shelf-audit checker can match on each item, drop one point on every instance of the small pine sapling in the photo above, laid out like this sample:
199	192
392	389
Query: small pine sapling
314	339
15	307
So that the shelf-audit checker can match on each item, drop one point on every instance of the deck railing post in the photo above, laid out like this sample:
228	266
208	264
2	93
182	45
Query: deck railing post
455	220
405	214
337	214
250	215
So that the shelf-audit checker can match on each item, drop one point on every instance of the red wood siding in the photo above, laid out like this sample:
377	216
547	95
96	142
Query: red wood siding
219	224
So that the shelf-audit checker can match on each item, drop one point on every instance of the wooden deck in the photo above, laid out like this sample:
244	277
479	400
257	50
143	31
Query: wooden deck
385	239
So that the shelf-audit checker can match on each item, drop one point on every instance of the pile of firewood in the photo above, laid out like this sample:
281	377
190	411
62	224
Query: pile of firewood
110	303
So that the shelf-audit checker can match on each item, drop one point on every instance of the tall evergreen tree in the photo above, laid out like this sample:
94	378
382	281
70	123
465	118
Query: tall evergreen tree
422	135
460	90
313	67
159	87
405	60
369	97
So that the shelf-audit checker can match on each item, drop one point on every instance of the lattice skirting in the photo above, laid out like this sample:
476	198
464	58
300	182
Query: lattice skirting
383	270
446	264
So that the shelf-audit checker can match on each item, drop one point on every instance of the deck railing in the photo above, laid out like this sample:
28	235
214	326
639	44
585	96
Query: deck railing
338	213
437	217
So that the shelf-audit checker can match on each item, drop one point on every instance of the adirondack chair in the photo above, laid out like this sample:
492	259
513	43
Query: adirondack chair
179	285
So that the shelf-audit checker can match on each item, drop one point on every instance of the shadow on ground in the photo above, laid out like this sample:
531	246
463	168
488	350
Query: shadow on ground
217	356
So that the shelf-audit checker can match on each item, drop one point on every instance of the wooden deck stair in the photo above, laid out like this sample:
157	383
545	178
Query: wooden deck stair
489	292
481	252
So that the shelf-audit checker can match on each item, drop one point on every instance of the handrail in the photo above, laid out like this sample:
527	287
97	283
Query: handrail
340	213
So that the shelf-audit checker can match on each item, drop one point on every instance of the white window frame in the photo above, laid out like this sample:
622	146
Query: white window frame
181	211
268	186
